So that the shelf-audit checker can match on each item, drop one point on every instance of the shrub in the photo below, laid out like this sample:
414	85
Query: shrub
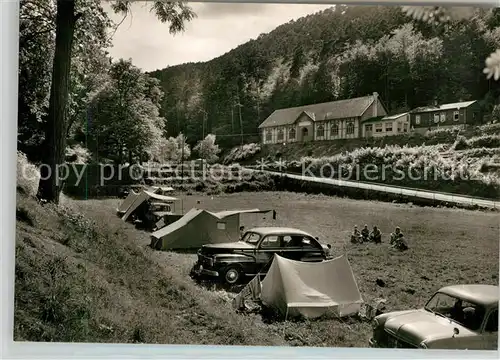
77	154
28	175
393	165
242	153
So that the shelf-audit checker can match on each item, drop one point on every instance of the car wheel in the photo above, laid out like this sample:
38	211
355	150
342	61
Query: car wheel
232	275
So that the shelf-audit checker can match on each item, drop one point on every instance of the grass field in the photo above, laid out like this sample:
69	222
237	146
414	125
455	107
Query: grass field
147	296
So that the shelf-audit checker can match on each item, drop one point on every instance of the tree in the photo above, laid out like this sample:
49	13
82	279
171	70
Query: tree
207	149
441	15
126	113
175	13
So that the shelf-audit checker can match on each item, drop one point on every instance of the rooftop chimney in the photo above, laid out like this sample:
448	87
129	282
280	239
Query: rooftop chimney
375	104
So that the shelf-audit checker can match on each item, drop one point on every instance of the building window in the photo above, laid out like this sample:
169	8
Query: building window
417	119
474	115
305	132
378	128
280	135
399	126
269	135
456	115
443	117
436	118
334	130
369	127
350	129
388	127
405	127
320	131
292	134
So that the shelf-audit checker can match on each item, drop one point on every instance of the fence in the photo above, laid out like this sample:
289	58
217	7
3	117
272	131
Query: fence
394	190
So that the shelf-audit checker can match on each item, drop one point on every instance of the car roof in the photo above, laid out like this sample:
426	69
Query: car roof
276	230
486	295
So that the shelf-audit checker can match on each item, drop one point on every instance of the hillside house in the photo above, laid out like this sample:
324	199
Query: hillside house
386	125
333	120
459	114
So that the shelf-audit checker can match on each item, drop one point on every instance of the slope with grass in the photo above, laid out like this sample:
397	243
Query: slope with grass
83	275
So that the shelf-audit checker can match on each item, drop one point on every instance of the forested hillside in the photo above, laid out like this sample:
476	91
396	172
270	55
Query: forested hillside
339	53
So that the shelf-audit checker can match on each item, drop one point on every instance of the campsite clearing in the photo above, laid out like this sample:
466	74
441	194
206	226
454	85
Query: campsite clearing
405	279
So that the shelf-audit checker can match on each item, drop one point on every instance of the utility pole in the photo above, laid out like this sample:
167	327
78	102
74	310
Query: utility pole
239	109
205	116
182	157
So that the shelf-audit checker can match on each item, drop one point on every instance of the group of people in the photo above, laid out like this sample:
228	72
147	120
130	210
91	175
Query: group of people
397	239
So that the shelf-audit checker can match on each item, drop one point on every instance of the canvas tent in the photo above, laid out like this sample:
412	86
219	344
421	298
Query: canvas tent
312	290
134	200
199	227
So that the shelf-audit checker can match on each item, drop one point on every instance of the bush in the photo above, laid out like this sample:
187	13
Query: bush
242	153
77	154
393	165
28	175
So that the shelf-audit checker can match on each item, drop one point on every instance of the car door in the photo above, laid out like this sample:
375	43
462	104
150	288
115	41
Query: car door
490	333
266	249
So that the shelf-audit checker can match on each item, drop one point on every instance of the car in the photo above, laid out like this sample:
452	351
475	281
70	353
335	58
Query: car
231	263
455	317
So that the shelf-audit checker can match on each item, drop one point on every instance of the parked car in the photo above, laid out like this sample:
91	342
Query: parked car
252	255
455	317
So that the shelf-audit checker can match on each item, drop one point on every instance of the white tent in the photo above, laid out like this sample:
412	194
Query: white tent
134	200
307	289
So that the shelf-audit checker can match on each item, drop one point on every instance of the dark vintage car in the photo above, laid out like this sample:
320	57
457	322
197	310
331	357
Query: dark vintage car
232	262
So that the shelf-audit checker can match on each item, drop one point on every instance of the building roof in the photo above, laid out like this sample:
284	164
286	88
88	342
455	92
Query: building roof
393	117
457	105
372	119
339	109
486	295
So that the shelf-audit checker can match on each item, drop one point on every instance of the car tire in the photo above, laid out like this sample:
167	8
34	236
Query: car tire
231	275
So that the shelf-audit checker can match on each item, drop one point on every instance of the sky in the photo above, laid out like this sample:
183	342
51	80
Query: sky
218	28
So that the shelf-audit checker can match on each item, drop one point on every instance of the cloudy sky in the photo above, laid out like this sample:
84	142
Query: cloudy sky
218	28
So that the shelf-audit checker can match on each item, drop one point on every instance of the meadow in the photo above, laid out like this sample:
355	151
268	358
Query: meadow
84	275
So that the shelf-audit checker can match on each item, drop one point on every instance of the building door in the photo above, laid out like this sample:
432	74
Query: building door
368	130
304	134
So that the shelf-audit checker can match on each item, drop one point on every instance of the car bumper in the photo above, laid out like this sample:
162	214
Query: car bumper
198	271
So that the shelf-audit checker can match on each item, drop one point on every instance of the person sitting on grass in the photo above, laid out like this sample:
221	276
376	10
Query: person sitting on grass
365	234
376	235
356	235
396	235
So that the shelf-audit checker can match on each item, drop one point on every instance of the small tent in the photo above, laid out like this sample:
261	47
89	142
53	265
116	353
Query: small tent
147	195
295	288
199	227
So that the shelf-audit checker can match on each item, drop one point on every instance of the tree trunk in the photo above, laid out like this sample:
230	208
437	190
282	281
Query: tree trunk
55	132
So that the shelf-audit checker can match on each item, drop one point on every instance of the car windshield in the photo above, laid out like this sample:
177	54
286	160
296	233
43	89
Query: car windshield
465	313
251	238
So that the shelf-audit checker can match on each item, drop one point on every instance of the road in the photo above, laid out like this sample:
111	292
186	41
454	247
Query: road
422	194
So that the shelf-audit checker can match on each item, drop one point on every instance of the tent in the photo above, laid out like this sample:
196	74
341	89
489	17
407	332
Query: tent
134	200
295	288
199	227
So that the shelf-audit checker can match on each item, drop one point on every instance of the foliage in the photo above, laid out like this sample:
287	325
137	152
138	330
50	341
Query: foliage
242	153
417	167
437	15
124	115
170	150
207	149
77	154
28	175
